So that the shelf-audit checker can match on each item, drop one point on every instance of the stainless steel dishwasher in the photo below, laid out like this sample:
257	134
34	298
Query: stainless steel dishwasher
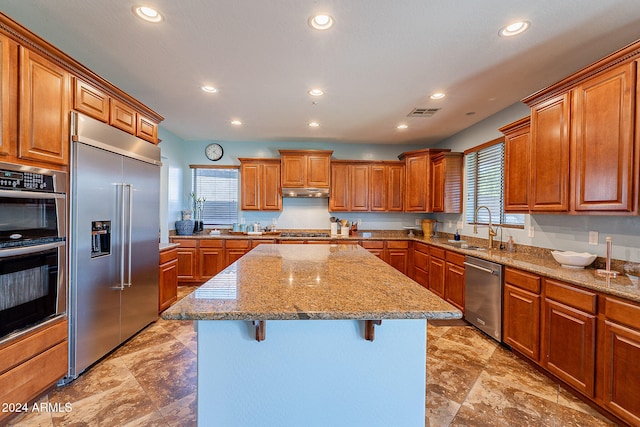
483	296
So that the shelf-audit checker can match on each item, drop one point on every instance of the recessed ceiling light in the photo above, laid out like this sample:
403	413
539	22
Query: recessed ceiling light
147	13
316	92
321	22
236	122
402	126
209	89
514	29
313	124
437	95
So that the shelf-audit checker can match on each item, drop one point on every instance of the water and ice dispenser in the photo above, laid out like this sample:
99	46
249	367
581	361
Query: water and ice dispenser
100	238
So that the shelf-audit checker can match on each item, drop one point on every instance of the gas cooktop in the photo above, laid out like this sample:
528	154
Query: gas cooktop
303	234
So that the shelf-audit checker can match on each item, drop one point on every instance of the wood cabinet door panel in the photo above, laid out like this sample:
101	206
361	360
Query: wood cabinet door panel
454	285
521	321
550	155
398	259
602	121
569	345
250	186
210	262
517	175
146	129
122	116
395	188
168	284
438	170
437	276
339	194
294	170
318	170
421	276
358	188
90	101
378	188
270	192
621	372
417	184
187	264
44	110
8	96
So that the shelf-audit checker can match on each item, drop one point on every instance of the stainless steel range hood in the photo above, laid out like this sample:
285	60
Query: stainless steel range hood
305	192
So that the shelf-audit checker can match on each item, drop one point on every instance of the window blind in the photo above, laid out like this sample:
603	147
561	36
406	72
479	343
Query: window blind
485	186
220	189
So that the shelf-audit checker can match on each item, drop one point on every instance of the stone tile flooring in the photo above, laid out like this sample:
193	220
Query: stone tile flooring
471	381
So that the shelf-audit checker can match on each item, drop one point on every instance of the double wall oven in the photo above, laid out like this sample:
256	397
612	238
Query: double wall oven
33	282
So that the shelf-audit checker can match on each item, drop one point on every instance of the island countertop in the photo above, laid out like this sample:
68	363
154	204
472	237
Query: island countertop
298	282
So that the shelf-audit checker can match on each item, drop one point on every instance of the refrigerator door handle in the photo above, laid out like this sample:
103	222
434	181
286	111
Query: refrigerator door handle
130	186
123	234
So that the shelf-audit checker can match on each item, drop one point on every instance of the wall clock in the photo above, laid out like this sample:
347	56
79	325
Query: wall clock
213	152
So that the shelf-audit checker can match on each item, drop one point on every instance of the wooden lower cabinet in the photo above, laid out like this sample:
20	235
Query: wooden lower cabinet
437	271
31	365
210	258
421	263
621	359
569	335
187	260
168	279
454	280
393	252
235	249
521	312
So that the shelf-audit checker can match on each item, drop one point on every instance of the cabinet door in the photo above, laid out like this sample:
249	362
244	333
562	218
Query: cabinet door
249	186
8	97
211	259
602	123
569	345
339	194
358	187
550	155
395	188
44	110
318	170
146	129
168	284
437	276
521	321
437	181
187	265
418	183
270	194
454	285
378	188
621	371
516	173
90	101
122	116
294	170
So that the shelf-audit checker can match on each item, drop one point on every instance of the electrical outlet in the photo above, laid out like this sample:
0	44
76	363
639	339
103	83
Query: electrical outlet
531	231
593	237
450	224
418	221
459	225
359	222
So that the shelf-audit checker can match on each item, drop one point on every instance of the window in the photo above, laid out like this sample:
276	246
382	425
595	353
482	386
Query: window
485	185
219	187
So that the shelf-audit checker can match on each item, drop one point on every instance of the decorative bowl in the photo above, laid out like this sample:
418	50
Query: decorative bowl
572	259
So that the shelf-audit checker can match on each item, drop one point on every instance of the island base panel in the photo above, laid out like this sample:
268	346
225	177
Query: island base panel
311	373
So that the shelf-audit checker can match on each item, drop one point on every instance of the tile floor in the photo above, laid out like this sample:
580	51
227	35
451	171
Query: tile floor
471	381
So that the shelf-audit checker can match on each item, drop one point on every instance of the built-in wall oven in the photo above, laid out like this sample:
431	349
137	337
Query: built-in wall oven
33	280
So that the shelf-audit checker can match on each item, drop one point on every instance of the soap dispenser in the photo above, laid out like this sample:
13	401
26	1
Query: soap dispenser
456	236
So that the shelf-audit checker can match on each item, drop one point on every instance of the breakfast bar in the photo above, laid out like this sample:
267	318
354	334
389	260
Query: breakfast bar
311	335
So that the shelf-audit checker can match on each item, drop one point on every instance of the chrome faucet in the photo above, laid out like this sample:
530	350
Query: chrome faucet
492	232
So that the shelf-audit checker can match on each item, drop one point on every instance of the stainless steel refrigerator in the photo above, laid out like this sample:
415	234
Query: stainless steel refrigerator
113	239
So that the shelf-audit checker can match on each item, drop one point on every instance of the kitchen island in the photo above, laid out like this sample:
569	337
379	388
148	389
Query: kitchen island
311	335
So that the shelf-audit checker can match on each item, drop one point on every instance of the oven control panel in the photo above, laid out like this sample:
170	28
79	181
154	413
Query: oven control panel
18	180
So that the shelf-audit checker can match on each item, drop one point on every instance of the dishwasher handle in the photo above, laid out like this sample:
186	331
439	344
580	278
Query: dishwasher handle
486	270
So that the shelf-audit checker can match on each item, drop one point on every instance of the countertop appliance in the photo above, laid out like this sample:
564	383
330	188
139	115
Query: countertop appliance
483	296
113	240
33	279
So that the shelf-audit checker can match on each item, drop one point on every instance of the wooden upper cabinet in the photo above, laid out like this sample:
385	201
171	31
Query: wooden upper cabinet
395	187
446	183
517	174
305	168
359	187
146	129
378	187
122	116
418	185
90	101
550	155
339	192
260	184
8	97
603	141
44	110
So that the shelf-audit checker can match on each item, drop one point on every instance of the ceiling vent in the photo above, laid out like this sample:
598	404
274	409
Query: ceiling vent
422	112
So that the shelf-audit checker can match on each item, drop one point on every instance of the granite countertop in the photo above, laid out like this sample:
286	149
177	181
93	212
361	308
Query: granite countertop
297	282
533	260
167	246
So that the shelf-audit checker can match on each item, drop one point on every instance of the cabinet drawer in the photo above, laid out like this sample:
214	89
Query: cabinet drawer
22	350
168	255
212	243
372	244
186	243
623	312
455	258
421	260
238	244
397	244
437	252
571	296
520	279
421	247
